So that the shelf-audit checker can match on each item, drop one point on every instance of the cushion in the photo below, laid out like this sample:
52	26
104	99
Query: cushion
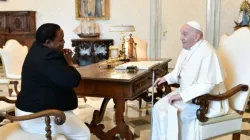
223	125
231	115
13	131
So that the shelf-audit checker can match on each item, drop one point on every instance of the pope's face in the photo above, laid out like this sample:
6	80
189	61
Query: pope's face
188	36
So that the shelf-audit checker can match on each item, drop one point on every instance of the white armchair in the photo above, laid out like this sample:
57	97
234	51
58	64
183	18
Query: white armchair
234	53
13	55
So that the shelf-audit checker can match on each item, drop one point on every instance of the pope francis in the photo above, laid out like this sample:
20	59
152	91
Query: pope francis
198	71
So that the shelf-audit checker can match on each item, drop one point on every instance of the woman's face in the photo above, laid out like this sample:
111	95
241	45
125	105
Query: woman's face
58	42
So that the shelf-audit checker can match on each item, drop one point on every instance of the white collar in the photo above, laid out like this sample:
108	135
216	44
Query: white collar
196	45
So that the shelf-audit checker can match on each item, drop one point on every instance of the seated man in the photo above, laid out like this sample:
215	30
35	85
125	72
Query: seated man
198	72
48	79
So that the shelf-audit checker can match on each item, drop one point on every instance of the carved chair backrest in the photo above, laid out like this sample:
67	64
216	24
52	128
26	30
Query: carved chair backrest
234	52
13	55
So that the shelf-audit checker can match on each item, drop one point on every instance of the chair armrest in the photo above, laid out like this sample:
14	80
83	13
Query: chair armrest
174	85
203	100
59	116
3	98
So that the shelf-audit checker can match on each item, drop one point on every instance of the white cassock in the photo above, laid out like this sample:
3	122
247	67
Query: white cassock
199	73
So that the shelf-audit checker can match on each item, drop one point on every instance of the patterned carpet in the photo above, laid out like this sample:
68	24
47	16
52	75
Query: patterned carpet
137	119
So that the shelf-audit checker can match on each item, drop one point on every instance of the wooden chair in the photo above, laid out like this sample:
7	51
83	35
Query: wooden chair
13	131
234	53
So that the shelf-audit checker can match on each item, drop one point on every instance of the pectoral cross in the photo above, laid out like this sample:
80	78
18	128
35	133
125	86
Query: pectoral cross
179	77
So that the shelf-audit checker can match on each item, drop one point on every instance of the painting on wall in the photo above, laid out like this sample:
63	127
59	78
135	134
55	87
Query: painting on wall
92	9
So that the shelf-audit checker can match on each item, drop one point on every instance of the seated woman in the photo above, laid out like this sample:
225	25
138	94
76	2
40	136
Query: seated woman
48	79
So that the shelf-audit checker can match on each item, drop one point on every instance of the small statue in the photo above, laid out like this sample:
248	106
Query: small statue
131	47
244	16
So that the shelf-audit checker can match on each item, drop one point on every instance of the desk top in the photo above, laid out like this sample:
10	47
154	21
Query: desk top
95	72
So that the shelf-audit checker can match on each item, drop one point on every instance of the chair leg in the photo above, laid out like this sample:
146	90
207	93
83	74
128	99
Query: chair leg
10	92
236	136
140	100
85	99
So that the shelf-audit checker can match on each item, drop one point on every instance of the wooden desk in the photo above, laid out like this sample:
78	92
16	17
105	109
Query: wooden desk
118	85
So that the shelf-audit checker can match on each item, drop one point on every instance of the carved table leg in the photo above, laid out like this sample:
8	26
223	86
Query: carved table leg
98	115
119	118
94	126
120	128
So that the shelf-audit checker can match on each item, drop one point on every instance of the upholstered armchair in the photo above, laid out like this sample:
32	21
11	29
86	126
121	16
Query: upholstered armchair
234	54
13	55
13	131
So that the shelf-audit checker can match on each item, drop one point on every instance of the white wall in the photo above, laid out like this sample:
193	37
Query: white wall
62	12
171	45
228	13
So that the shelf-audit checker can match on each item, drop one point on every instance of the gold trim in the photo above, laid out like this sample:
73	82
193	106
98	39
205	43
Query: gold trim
107	11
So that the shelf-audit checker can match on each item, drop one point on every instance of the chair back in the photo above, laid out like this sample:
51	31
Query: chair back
13	55
234	52
141	47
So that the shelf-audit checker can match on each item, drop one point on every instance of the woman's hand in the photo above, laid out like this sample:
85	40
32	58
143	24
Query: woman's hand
67	53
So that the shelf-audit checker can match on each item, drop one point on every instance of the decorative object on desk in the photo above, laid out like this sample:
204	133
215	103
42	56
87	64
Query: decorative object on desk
132	69
87	29
113	52
92	9
110	64
122	29
140	48
132	47
244	16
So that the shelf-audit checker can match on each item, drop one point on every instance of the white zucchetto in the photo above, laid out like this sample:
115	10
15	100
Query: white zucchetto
195	25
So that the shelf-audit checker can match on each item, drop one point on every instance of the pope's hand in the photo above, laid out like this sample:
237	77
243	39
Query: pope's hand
174	98
159	81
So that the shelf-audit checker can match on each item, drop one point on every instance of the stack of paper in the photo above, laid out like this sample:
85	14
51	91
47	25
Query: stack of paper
141	65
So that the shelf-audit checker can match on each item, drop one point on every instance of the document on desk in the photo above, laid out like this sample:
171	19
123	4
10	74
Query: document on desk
141	65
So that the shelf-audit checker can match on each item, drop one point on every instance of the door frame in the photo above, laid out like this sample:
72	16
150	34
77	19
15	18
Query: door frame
212	25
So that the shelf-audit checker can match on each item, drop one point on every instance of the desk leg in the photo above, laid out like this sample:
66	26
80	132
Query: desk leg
121	127
95	127
119	118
